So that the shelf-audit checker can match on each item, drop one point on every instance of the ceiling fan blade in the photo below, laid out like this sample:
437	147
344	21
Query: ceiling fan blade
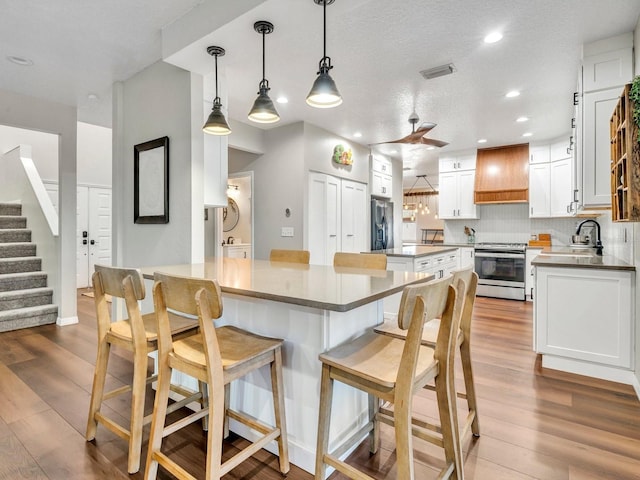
407	139
432	142
426	127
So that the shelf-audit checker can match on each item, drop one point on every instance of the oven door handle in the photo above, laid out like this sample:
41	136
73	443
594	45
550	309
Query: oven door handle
499	255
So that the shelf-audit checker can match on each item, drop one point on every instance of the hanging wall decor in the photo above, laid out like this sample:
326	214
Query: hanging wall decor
342	156
151	181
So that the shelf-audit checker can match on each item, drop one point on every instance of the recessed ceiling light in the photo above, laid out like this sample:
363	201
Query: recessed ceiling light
522	119
431	148
392	151
512	93
493	37
282	100
92	97
527	134
357	134
482	140
23	62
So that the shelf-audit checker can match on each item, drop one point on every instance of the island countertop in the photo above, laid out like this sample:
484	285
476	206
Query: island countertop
318	286
415	251
567	257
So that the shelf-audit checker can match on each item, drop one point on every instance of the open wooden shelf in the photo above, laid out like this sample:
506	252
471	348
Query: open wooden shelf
625	162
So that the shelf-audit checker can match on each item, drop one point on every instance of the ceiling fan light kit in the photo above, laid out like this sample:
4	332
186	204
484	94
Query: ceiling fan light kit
324	92
216	124
263	110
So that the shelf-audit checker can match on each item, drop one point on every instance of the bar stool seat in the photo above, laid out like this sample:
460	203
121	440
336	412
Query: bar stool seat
216	357
392	370
137	334
463	340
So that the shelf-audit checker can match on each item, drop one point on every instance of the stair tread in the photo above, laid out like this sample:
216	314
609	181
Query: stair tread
27	311
19	259
22	274
25	292
7	244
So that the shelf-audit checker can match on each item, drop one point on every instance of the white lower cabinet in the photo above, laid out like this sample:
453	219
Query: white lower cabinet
440	264
529	273
466	257
236	251
583	320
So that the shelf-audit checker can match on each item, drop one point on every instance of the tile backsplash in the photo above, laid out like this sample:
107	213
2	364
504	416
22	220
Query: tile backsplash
510	223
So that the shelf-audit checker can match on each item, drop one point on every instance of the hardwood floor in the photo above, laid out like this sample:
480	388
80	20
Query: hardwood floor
535	423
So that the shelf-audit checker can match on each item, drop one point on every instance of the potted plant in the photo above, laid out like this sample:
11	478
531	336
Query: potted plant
634	96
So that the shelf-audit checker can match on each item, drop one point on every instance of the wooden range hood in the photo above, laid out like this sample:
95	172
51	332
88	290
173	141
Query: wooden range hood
502	174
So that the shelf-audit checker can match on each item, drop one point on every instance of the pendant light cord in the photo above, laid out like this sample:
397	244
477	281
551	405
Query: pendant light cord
325	62
216	63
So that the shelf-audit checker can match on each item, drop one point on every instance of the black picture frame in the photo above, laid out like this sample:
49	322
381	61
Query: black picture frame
151	181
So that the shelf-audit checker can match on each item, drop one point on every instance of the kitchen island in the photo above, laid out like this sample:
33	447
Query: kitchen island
313	308
584	313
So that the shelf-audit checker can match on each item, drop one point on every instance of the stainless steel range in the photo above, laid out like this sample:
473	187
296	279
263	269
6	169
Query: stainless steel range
500	268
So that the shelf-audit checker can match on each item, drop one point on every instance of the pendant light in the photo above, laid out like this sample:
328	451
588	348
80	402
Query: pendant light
324	93
263	110
216	124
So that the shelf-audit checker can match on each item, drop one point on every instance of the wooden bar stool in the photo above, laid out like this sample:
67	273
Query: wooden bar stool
216	356
376	261
429	338
290	256
136	334
392	370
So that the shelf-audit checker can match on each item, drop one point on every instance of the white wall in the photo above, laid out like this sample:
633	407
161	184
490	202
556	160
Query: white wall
161	100
35	114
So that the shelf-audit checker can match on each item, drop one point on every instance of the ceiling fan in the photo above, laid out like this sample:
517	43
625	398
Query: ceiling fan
417	135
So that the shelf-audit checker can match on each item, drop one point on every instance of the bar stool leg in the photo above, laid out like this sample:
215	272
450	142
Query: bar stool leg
467	371
324	419
374	435
404	439
97	391
159	418
215	434
277	388
227	400
138	388
204	403
446	396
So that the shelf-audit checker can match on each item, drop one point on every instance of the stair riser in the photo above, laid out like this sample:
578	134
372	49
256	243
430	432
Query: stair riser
15	236
27	301
23	283
13	222
9	251
27	322
10	209
10	266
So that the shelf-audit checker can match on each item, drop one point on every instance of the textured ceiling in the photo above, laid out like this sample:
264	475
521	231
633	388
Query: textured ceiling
377	47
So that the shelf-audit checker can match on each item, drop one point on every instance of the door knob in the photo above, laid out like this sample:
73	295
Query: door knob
93	242
84	242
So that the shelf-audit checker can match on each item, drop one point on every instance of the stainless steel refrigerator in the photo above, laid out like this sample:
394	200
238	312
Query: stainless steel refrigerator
381	224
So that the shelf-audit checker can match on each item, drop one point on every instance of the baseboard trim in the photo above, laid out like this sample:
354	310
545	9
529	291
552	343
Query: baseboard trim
63	322
636	386
589	369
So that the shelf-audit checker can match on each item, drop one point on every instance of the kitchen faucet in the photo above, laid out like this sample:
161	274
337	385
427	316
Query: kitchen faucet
598	241
231	239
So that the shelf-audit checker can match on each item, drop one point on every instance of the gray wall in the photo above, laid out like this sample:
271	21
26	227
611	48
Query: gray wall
278	184
161	100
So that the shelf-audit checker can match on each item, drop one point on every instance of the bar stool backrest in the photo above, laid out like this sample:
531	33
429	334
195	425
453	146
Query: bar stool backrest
111	278
376	261
291	256
434	296
179	293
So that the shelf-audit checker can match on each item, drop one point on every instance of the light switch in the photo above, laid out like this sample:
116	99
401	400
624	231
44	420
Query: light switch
287	232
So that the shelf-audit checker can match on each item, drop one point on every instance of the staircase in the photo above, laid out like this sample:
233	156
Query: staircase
25	300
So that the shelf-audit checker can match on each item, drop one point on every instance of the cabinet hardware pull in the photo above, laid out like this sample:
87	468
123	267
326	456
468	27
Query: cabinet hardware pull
575	196
575	98
568	150
573	123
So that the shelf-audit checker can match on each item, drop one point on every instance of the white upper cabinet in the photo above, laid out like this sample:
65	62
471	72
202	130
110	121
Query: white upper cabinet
608	69
539	190
539	154
551	183
381	177
455	193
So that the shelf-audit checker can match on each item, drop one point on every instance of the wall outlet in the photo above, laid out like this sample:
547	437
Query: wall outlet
287	232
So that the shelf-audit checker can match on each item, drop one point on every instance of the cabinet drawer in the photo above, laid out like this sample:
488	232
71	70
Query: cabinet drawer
422	264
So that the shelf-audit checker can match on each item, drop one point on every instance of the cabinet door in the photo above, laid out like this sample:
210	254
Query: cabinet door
353	222
598	107
561	189
466	257
333	219
324	218
539	194
447	164
409	231
386	186
466	205
529	277
448	193
608	69
539	154
560	150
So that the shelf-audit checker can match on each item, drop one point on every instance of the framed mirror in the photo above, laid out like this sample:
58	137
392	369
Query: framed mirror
151	181
230	215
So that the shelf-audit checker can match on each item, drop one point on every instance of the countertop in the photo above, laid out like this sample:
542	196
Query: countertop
415	251
567	257
317	286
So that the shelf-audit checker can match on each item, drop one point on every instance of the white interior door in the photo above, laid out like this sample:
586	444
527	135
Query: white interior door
82	238
99	227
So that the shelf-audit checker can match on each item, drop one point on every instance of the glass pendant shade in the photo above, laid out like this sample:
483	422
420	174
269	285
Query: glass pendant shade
263	110
216	124
324	93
